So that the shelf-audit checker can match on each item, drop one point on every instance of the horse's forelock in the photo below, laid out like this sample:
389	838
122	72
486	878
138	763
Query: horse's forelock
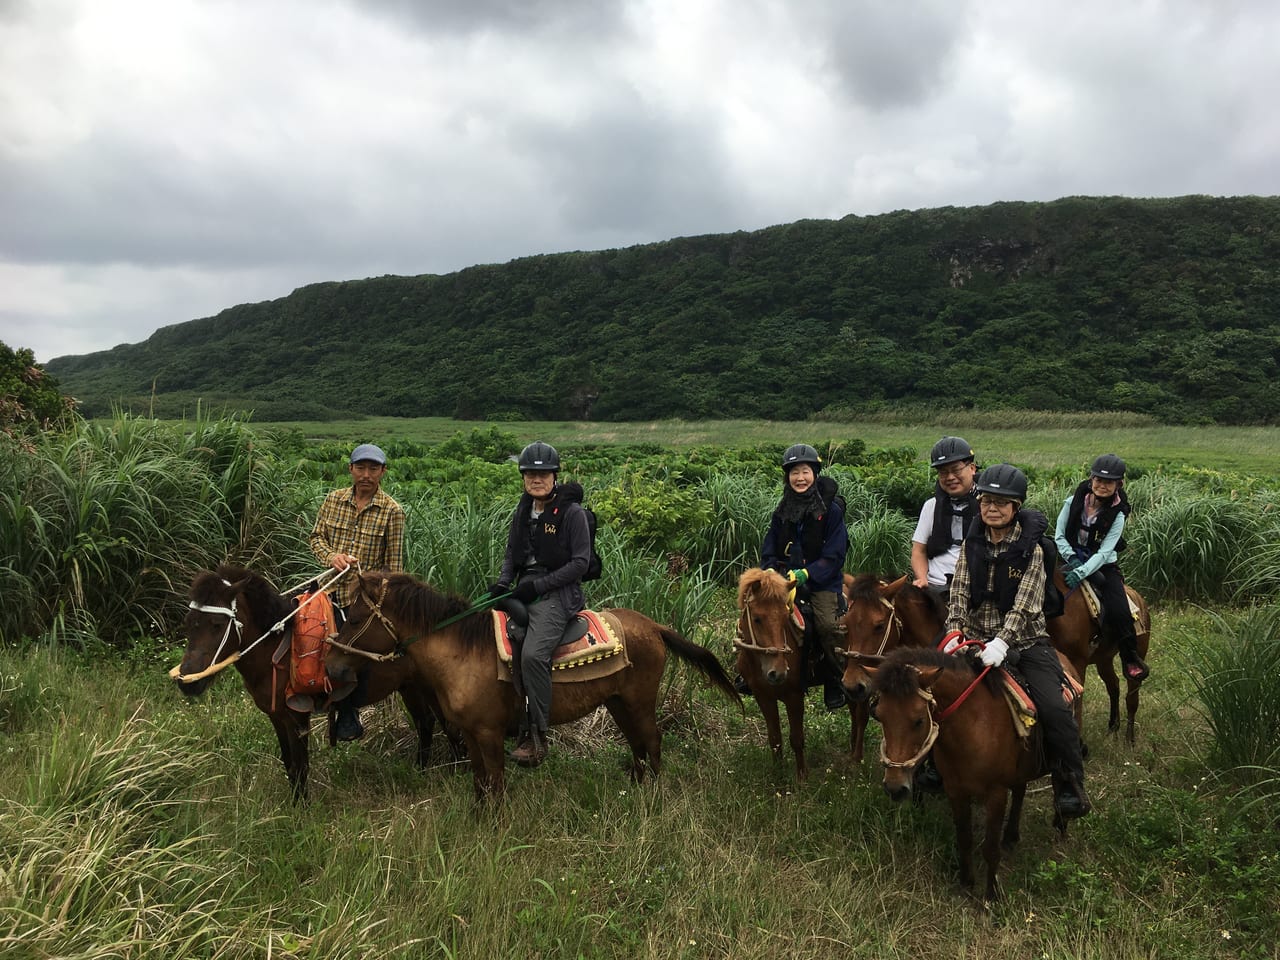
865	588
899	674
209	588
765	584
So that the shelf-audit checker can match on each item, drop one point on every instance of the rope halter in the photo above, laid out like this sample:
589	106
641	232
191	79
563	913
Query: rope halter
754	646
928	740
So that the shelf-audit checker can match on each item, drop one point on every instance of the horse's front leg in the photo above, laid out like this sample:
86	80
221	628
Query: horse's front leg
772	725
997	800
795	731
1106	667
1013	826
487	760
858	716
292	733
962	817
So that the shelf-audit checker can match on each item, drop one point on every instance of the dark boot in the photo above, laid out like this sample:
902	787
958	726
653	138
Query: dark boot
741	686
348	726
1069	798
531	750
928	780
833	693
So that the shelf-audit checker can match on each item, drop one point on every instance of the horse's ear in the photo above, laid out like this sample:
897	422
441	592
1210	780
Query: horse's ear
238	585
927	677
890	590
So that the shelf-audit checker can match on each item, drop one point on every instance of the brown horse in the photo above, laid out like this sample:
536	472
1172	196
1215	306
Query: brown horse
929	700
460	661
882	617
1078	635
230	609
771	659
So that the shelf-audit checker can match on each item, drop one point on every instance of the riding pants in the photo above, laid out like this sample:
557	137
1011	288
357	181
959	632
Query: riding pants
826	624
1039	666
547	621
1117	621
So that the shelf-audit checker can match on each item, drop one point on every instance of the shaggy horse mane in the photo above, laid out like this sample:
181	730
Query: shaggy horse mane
865	588
898	675
768	585
419	607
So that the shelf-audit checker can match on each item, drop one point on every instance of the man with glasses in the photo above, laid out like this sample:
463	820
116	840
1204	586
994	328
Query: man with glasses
997	597
944	518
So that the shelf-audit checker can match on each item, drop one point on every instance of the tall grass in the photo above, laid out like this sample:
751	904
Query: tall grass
1237	681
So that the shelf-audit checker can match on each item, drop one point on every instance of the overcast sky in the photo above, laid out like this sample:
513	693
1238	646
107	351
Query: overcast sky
163	159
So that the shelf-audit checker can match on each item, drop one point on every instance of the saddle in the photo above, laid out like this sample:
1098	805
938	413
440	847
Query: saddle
1023	708
1094	604
589	649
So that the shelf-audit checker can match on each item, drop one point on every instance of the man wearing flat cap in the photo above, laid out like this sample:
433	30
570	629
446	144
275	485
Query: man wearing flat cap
358	525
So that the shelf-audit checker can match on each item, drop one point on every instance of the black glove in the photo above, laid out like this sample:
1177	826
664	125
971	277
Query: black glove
498	590
525	592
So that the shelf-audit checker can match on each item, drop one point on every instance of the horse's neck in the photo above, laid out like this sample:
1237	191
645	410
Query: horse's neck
920	623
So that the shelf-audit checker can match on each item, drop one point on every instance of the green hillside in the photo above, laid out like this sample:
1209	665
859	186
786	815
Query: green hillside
1165	307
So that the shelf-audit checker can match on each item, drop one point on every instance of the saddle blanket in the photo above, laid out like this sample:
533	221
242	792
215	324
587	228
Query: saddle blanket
1095	605
1023	708
596	653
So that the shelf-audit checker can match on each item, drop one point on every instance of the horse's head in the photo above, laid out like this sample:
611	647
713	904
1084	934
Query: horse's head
366	625
871	628
215	626
902	685
766	631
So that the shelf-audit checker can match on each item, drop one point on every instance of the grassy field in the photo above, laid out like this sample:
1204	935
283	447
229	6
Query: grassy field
136	824
1025	438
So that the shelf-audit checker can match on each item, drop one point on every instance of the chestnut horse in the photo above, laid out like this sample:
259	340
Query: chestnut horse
929	700
232	607
771	659
1078	635
882	617
460	662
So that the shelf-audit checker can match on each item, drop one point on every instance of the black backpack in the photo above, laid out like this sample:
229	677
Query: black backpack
1053	600
572	491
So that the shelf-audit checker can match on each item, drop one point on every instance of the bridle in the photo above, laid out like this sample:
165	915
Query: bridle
754	646
935	722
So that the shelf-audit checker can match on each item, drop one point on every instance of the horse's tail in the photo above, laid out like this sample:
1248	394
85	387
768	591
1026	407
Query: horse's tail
702	660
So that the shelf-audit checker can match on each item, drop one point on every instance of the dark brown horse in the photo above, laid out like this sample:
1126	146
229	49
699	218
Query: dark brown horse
460	661
928	700
882	617
232	608
1078	635
771	659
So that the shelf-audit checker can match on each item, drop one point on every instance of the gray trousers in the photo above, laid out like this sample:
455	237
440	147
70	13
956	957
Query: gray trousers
547	620
826	624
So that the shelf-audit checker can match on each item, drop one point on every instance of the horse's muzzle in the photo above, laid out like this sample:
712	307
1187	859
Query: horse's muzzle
776	677
897	791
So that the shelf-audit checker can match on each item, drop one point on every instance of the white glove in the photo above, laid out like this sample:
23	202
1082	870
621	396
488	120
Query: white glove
994	652
951	641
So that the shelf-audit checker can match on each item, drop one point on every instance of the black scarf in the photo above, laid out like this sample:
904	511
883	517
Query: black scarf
796	506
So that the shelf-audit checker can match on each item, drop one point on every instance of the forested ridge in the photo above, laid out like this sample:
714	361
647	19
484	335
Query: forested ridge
1169	307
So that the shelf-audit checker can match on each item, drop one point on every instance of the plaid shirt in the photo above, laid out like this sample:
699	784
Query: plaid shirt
1024	624
375	535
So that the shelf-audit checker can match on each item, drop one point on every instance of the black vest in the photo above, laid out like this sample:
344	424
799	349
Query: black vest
1010	565
1101	526
944	510
810	531
543	537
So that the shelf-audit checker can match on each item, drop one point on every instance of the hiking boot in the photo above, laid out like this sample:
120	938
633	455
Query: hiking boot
1069	799
928	780
1136	669
741	686
348	726
530	751
833	694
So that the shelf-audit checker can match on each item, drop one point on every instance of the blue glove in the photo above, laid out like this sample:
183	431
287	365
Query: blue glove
525	592
1073	577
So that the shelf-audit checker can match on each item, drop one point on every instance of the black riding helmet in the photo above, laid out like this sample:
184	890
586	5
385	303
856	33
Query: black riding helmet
799	453
539	456
949	450
1108	467
1003	480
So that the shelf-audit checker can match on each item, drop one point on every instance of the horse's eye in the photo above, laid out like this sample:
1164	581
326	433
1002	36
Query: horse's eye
919	723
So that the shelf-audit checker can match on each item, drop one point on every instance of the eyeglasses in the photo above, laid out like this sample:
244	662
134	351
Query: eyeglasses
953	469
995	503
